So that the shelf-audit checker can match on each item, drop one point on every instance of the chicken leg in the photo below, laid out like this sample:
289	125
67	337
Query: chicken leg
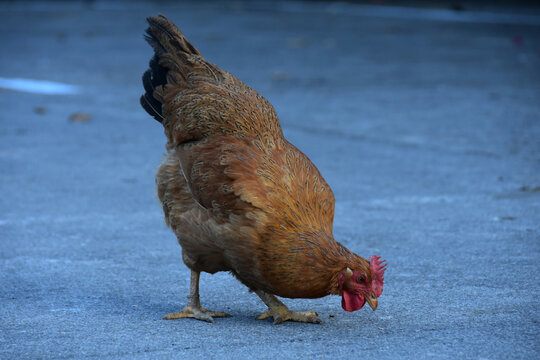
193	308
281	313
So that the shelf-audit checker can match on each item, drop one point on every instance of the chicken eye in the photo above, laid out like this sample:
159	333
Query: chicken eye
360	279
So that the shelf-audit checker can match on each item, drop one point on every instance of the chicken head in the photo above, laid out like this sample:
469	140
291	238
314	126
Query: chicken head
358	287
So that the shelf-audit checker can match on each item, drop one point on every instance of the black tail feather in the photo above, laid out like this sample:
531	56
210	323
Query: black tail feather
155	76
171	49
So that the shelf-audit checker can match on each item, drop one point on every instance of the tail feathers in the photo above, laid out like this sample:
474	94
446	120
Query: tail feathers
170	62
149	102
165	37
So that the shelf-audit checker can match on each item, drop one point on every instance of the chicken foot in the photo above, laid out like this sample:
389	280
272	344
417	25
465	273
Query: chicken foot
193	308
281	313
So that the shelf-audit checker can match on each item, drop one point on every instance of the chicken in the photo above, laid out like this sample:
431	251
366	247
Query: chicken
238	195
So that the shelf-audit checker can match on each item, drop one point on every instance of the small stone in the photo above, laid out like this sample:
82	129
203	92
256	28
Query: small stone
280	76
40	110
80	117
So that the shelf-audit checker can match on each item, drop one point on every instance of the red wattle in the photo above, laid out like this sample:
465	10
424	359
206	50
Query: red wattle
352	302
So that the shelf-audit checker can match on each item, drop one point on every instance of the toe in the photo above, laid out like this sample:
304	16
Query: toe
307	317
314	319
215	313
265	315
176	315
205	317
190	312
218	314
278	320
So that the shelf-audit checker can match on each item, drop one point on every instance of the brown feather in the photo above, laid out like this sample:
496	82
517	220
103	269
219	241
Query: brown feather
236	193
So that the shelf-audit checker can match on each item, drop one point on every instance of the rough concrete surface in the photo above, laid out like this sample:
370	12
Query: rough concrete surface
427	130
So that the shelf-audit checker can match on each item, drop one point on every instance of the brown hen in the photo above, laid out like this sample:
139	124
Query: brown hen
238	195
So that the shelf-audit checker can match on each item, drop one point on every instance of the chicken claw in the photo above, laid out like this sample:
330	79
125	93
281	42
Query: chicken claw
193	308
281	313
195	312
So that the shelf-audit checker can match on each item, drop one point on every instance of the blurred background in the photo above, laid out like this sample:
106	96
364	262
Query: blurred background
423	116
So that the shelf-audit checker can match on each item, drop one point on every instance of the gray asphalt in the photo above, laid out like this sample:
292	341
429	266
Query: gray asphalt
427	130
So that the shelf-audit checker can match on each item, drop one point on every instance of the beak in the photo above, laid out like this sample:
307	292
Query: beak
372	301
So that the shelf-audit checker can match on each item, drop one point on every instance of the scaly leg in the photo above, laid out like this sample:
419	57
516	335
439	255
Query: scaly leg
193	308
281	313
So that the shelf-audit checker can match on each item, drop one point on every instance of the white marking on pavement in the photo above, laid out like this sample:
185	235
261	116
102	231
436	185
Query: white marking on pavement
38	86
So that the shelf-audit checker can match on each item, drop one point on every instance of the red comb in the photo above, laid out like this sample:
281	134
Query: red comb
377	267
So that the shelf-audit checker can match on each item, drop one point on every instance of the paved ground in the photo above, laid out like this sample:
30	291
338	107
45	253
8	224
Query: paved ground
427	130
